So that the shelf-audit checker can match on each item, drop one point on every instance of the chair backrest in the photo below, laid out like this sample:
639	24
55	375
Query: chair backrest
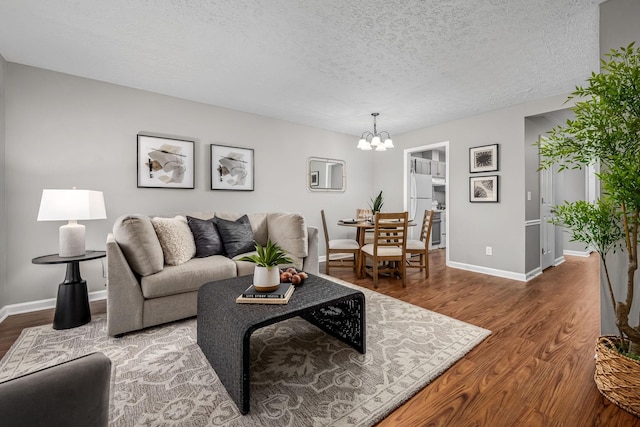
363	213
324	227
390	230
427	223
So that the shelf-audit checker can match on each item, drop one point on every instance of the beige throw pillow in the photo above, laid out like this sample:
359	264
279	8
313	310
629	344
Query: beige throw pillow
289	231
139	243
175	239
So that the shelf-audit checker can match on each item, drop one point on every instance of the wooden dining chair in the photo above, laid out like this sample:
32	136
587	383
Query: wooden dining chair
339	246
365	214
421	247
388	250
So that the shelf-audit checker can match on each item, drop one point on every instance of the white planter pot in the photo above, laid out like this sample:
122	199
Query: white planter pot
266	279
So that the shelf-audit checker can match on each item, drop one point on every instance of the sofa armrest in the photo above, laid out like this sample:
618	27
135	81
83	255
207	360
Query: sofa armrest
125	302
311	262
73	393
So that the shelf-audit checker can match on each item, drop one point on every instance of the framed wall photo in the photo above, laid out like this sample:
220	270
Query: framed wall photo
315	178
484	189
165	162
483	159
232	168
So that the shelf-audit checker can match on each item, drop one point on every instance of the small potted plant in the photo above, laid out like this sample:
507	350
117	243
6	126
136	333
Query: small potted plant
266	276
376	205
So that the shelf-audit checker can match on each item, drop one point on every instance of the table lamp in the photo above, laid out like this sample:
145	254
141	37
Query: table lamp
72	205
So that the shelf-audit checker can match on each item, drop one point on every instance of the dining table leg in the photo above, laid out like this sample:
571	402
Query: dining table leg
360	232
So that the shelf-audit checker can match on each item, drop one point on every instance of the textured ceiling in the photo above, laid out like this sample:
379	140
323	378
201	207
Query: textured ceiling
325	63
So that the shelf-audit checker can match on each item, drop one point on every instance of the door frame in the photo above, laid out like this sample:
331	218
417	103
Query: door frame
405	160
547	230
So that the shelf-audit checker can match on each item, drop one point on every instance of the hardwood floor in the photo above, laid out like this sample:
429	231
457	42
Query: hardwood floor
536	368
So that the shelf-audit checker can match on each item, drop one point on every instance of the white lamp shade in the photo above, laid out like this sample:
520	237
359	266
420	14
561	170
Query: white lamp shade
381	147
62	205
388	143
366	146
375	141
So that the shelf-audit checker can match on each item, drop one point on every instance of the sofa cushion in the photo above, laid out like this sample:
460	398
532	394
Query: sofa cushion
289	231
139	243
237	236
206	236
175	239
258	224
187	277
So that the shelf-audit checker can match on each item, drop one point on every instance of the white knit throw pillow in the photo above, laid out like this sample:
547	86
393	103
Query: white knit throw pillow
175	239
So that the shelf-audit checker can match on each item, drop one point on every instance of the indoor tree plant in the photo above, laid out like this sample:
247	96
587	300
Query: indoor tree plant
266	276
606	131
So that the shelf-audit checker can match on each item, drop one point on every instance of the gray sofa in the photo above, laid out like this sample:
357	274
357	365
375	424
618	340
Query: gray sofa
156	264
73	393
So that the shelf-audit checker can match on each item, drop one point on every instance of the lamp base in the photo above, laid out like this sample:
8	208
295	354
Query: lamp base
71	240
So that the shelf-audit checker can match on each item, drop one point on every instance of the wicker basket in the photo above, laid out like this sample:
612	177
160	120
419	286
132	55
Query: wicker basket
617	376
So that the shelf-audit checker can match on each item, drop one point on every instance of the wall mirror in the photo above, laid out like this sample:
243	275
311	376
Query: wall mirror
326	174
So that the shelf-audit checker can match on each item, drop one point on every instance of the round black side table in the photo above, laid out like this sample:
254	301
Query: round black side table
72	304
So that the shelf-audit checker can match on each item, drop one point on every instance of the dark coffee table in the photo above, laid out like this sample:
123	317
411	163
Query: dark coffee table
225	327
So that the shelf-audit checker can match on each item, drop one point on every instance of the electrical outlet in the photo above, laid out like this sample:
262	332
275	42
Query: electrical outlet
488	250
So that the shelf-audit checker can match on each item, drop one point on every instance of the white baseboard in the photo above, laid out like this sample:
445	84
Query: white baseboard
533	273
490	271
44	304
584	254
558	261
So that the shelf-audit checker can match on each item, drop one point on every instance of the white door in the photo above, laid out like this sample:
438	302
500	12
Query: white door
547	230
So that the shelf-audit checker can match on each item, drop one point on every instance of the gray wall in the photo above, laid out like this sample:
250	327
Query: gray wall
472	226
618	27
573	189
3	220
569	185
64	131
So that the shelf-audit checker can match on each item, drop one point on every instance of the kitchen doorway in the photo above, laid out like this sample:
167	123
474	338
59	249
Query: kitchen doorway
426	186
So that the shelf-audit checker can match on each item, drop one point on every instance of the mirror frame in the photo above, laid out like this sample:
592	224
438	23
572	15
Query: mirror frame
310	174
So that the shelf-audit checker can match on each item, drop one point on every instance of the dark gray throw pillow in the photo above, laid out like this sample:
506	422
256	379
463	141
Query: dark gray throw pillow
206	235
237	236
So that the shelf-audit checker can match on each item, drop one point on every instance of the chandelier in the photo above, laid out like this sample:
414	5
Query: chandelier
369	141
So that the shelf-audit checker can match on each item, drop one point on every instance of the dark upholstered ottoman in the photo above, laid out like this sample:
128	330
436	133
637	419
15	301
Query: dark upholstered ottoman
225	327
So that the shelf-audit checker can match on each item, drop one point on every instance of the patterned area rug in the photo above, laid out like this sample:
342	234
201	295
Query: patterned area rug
299	375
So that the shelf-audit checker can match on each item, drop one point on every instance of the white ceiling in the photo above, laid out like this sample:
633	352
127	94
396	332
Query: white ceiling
325	63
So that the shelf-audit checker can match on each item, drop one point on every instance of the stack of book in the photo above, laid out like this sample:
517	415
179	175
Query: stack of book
279	296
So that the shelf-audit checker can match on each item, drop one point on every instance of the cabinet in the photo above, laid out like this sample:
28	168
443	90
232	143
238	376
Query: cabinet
435	230
439	231
422	166
435	168
438	169
443	230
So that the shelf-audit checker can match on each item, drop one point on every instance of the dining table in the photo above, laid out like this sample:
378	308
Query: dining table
361	226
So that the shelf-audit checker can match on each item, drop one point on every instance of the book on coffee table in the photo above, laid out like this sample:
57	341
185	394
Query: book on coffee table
279	296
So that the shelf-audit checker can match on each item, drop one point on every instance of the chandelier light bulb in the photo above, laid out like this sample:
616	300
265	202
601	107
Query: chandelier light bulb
376	140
